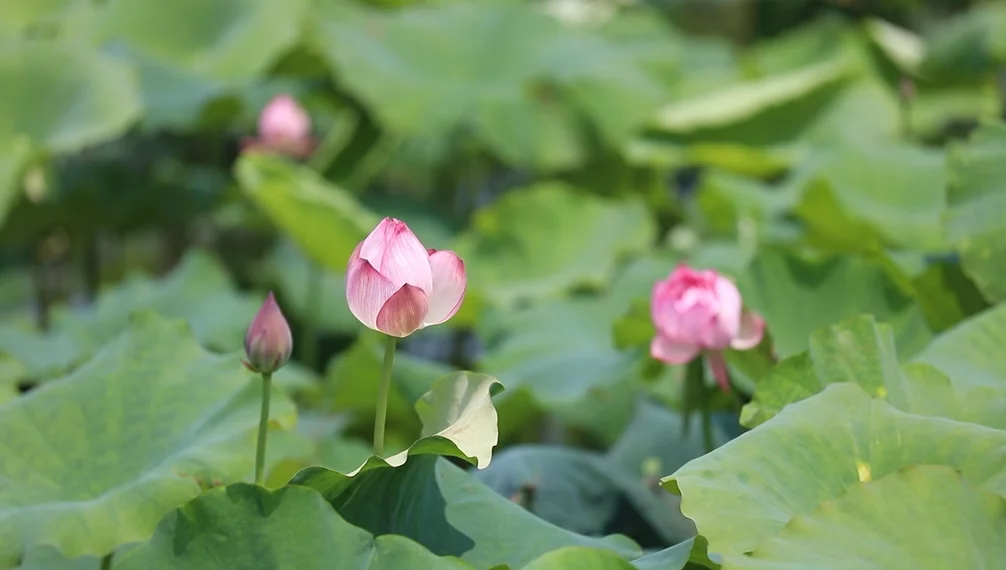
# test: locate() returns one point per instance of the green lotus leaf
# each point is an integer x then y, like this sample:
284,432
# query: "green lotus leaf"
448,511
891,522
798,295
292,528
821,447
89,98
976,199
861,351
124,439
228,40
546,239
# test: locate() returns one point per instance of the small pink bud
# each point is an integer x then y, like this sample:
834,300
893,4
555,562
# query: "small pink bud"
700,311
396,286
283,127
268,342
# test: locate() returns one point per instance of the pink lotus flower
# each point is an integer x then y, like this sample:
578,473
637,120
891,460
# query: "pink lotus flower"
268,342
698,312
283,127
397,286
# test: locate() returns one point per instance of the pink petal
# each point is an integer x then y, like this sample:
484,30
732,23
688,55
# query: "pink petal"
366,291
398,255
672,352
728,315
404,312
449,283
750,333
283,119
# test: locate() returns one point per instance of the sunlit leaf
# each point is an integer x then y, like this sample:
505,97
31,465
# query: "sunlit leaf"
825,447
883,524
860,351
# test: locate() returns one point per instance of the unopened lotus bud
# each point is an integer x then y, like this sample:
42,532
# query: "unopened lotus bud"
268,342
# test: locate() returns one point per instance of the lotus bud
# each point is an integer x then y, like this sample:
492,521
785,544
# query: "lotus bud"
283,127
268,342
396,286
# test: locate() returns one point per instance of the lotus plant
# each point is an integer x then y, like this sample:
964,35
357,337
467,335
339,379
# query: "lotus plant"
284,127
699,313
268,344
395,285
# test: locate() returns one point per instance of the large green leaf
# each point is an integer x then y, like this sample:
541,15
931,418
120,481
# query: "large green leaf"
449,512
122,439
87,98
924,517
861,351
49,558
229,39
325,221
558,350
898,191
743,101
822,447
546,239
977,197
583,492
292,528
198,290
503,70
672,558
580,558
970,352
17,16
798,295
968,46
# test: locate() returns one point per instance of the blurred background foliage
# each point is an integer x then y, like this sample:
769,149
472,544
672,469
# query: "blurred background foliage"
571,151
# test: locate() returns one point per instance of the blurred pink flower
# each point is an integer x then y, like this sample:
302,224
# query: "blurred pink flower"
283,127
268,342
395,285
698,312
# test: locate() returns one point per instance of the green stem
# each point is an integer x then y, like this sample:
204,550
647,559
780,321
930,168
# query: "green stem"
313,304
696,392
263,428
106,561
383,391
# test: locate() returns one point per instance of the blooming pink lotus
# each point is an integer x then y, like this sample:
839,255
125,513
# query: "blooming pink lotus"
283,127
397,286
698,312
268,342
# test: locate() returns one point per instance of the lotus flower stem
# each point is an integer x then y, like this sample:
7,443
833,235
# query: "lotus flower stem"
263,428
383,391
